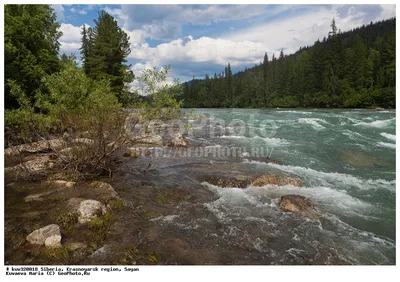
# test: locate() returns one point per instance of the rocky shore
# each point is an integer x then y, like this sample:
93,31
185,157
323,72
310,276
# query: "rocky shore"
52,219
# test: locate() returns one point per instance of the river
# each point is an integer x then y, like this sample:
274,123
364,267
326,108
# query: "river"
345,159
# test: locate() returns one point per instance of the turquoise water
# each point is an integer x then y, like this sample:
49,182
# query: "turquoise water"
346,160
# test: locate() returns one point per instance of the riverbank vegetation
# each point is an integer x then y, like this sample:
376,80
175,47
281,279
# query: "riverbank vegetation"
81,105
354,69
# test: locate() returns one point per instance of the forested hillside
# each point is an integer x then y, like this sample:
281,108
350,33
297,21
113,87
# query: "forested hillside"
350,69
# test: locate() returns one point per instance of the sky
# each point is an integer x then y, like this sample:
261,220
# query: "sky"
196,40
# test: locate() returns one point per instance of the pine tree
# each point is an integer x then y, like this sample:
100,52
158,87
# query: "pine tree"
105,49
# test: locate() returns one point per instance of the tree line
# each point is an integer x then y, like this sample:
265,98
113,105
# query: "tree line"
350,69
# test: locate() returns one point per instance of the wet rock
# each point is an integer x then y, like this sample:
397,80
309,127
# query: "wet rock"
35,147
103,190
241,178
90,209
360,160
49,235
37,165
280,180
149,138
298,205
177,140
270,161
132,154
55,186
228,182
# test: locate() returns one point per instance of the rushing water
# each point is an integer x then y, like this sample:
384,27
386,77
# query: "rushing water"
345,158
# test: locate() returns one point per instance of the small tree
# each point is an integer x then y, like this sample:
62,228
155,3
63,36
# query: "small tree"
163,103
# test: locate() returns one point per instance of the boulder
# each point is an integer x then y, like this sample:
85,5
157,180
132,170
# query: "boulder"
237,182
280,180
53,241
177,140
298,205
103,190
90,209
49,235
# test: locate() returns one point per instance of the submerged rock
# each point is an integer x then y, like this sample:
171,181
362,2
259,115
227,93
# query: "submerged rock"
177,140
49,235
280,180
55,186
90,209
238,182
360,160
298,205
103,190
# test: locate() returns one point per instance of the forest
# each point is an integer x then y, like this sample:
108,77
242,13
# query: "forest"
353,69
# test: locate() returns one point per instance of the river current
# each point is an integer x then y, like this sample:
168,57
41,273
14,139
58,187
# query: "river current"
345,159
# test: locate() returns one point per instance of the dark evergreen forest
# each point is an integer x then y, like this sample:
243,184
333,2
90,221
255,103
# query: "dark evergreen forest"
353,69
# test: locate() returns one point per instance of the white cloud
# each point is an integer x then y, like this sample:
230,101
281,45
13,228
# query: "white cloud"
70,32
205,49
59,9
304,29
165,21
136,36
82,12
72,10
70,41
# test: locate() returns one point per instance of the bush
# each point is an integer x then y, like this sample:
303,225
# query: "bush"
95,111
75,106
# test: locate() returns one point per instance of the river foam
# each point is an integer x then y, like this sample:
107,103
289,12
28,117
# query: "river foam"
377,123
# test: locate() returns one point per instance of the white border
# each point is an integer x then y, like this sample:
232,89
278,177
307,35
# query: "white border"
216,273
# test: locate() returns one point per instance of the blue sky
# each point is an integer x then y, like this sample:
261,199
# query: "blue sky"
200,39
